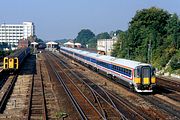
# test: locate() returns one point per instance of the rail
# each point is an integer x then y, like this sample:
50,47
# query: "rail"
84,107
7,93
170,84
108,103
42,101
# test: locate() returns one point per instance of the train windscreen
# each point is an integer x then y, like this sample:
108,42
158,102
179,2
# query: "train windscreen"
146,72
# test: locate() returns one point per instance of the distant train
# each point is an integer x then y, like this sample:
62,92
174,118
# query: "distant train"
13,61
138,76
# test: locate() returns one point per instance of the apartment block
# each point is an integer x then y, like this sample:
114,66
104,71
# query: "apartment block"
12,33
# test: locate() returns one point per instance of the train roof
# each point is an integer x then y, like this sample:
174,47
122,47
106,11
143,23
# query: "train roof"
84,52
17,52
113,60
93,55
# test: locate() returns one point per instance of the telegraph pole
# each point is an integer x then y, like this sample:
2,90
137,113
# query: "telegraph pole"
149,52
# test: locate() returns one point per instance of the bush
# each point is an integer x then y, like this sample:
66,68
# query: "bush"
175,62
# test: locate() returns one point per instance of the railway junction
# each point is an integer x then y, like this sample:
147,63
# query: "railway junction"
52,85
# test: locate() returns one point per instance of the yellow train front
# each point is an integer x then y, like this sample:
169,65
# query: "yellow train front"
12,62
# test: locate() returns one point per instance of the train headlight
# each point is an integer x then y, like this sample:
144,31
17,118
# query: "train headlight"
137,80
153,80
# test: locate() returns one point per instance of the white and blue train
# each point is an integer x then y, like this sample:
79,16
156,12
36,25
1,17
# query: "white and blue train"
138,76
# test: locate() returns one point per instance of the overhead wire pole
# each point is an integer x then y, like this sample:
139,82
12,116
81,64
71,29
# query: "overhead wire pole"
149,51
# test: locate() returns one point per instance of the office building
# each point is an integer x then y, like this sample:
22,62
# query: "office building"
12,33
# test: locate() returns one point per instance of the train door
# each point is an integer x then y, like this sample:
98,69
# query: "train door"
146,74
11,63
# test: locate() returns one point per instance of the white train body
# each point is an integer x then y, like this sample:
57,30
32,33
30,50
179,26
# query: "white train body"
137,75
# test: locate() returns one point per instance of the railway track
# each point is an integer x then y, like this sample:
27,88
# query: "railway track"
107,109
7,92
37,102
165,106
117,103
84,107
169,84
160,104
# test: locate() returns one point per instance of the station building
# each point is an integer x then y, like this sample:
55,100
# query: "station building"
13,33
105,46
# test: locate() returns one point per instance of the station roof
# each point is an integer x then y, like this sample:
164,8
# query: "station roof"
77,44
68,43
51,43
34,43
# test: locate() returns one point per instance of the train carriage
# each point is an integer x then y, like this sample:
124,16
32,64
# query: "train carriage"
137,75
13,61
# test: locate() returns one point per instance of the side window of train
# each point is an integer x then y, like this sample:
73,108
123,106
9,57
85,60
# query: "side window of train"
136,73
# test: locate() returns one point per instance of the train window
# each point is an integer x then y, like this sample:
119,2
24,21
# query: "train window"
114,67
137,73
15,66
126,71
146,71
15,60
121,70
129,73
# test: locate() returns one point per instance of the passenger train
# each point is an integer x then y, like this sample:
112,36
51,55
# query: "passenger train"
138,76
13,61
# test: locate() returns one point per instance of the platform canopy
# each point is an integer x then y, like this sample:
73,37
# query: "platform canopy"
68,43
79,44
34,43
51,43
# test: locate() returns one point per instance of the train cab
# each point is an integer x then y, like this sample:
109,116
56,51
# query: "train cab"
144,78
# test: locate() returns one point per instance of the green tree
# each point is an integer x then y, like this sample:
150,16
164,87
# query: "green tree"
38,40
153,36
103,35
92,43
175,61
84,36
173,31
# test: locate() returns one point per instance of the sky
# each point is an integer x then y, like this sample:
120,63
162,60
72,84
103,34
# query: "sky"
58,19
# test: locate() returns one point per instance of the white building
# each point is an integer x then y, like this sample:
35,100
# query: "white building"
12,33
105,46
